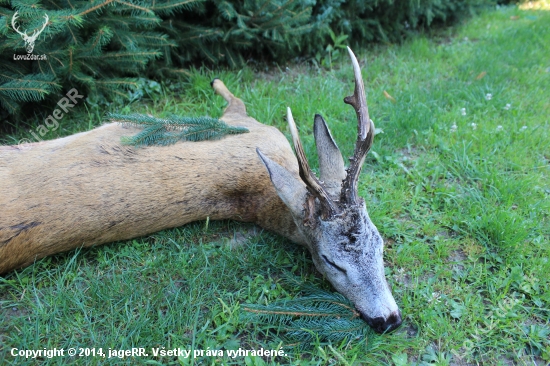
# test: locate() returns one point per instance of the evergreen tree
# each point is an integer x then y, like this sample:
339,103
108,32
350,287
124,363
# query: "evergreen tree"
231,31
96,46
387,20
101,47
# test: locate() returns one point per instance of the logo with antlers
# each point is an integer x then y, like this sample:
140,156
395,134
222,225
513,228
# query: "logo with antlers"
29,40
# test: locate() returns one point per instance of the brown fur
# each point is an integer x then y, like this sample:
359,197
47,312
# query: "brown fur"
88,189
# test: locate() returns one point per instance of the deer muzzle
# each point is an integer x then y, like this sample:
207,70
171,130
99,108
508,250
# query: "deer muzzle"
384,325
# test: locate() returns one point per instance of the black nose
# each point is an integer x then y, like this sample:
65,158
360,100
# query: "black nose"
381,325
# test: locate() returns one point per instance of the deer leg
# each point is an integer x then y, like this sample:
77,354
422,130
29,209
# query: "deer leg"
235,106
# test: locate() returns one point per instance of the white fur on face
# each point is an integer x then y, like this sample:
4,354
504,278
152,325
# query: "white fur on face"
349,252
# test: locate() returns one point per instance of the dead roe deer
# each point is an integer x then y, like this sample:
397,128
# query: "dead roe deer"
88,189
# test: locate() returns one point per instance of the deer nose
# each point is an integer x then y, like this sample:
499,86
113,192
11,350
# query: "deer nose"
384,325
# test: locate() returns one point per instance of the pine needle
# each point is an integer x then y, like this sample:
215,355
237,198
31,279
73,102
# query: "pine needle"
159,131
319,314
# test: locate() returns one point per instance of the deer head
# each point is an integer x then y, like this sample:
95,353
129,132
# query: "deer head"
29,40
345,245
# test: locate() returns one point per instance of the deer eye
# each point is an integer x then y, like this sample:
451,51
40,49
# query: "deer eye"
332,264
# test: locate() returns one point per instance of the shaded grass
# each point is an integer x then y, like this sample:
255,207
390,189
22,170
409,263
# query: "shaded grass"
464,213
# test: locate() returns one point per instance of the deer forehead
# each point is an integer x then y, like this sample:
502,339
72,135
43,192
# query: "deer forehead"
351,232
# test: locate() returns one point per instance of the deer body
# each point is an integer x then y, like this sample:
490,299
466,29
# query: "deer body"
88,189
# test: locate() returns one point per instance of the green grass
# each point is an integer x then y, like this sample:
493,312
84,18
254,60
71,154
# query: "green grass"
464,212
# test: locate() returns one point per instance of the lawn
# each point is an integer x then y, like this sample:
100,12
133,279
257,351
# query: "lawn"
457,183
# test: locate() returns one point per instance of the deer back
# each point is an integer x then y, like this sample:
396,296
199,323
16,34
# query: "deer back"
88,189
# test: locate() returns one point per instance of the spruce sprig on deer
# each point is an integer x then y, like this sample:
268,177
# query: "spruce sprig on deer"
168,131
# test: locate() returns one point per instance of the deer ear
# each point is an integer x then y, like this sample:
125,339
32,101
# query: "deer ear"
331,162
290,189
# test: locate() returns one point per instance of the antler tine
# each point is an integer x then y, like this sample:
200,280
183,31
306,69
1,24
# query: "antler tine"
365,134
44,25
14,17
314,186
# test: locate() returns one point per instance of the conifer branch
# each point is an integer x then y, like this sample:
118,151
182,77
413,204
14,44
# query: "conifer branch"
319,314
159,131
171,6
98,6
136,7
9,104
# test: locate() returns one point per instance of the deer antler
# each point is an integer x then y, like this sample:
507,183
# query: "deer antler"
365,135
14,27
314,186
43,26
